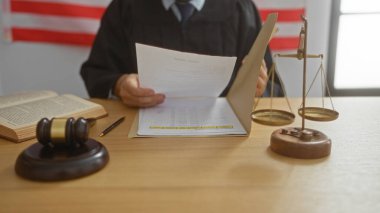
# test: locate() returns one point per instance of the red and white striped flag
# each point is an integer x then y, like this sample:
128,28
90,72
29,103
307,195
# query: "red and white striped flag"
289,21
54,21
77,21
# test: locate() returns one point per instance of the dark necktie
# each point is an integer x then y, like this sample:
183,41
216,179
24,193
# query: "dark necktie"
186,9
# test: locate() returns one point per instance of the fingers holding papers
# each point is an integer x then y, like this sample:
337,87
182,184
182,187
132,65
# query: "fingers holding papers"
129,91
262,80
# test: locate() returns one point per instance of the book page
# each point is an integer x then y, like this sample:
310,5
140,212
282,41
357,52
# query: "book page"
189,116
23,97
181,74
31,112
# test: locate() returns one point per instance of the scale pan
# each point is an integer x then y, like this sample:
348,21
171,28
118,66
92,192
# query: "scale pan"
272,117
319,114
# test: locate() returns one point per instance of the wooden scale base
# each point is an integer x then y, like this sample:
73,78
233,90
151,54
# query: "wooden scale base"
297,143
42,163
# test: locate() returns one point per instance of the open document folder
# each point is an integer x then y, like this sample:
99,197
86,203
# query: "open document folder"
192,84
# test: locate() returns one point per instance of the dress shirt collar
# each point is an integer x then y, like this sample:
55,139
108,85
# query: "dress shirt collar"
198,4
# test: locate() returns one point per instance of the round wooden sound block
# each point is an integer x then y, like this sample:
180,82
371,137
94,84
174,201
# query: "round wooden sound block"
43,163
298,143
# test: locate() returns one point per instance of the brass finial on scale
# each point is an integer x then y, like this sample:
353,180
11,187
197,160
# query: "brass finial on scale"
296,142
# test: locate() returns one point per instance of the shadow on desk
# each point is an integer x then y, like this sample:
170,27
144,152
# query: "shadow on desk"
294,161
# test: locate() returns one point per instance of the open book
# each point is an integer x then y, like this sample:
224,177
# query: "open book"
192,84
20,113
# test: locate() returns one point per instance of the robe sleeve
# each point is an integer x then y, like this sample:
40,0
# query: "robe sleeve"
112,53
277,88
250,24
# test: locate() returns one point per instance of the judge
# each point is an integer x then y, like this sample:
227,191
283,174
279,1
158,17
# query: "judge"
212,27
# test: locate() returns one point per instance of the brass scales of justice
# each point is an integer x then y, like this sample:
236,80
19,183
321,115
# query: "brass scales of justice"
296,142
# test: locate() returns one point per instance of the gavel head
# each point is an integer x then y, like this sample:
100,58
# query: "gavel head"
62,132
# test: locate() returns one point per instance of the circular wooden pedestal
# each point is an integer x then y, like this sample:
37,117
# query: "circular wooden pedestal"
298,143
41,163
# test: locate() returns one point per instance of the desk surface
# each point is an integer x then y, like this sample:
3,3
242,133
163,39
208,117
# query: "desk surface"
234,174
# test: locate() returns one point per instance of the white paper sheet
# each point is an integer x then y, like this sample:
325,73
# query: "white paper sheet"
190,116
181,74
191,84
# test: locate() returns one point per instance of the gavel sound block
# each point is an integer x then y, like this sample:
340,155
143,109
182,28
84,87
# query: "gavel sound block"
63,152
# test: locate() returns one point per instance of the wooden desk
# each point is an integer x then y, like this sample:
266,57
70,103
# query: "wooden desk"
234,174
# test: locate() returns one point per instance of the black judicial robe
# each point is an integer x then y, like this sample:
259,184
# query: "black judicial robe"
222,28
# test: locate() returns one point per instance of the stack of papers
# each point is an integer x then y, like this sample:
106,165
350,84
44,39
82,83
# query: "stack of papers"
192,84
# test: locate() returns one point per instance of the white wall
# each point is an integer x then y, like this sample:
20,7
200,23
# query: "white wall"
38,67
28,66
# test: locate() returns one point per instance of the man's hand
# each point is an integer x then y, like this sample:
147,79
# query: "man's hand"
262,81
128,89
